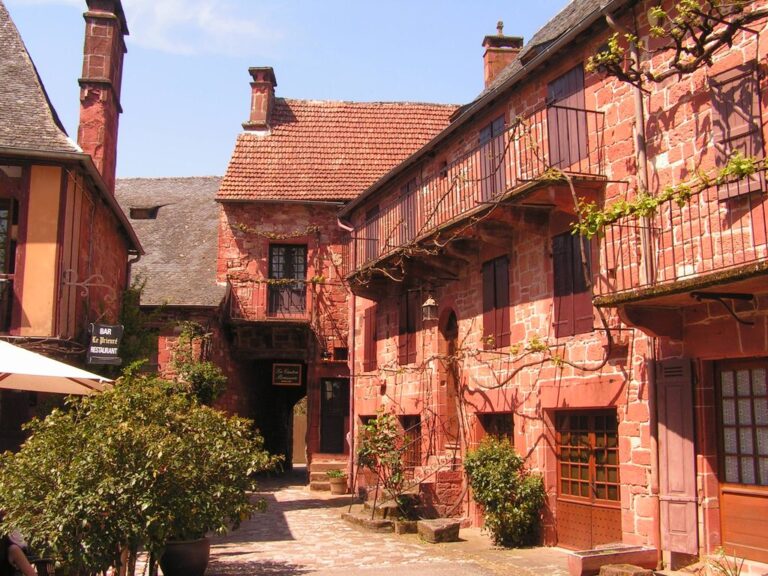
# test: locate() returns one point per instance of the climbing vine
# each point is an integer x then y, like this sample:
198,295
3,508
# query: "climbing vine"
690,33
593,220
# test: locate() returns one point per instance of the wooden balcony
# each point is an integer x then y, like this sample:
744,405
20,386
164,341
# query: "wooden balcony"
536,150
713,241
270,301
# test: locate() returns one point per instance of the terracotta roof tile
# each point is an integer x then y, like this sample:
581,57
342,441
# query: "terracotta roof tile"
328,151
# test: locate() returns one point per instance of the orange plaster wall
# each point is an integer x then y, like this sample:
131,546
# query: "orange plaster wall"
39,288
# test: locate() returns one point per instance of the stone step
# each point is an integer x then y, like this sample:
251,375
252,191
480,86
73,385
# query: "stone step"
320,486
325,465
365,521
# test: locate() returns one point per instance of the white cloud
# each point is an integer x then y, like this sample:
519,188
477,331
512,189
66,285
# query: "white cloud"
193,26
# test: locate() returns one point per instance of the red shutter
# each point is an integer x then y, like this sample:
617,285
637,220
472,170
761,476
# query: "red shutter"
583,313
501,288
402,339
562,272
369,339
677,459
567,124
414,324
736,124
489,312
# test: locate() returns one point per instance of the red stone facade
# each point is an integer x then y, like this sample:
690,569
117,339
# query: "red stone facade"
632,448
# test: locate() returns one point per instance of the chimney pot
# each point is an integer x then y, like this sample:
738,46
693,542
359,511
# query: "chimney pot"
500,52
262,98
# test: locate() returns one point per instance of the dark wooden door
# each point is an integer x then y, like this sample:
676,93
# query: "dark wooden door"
287,262
567,121
743,426
492,160
334,412
589,498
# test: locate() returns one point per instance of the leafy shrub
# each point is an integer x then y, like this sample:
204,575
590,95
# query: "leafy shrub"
336,473
380,449
138,465
511,496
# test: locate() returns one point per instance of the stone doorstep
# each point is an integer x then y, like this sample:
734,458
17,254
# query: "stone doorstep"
624,570
439,530
589,562
364,521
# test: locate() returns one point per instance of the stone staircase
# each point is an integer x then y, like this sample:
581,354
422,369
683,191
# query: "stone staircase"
318,468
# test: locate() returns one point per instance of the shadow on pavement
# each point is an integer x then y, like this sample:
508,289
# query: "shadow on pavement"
271,567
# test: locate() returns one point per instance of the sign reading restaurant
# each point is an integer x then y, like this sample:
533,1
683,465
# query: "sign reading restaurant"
103,344
286,374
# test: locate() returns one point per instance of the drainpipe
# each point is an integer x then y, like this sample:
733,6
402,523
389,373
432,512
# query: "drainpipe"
643,179
353,257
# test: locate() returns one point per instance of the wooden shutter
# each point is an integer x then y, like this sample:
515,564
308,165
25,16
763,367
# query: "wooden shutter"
677,458
736,124
583,313
562,272
410,308
369,339
489,311
402,339
501,289
492,169
567,125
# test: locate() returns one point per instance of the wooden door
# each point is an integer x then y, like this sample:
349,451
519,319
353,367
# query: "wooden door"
492,160
589,496
334,411
677,458
743,431
567,121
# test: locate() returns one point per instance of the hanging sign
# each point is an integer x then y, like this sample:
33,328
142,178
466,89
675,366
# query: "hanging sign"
103,344
286,374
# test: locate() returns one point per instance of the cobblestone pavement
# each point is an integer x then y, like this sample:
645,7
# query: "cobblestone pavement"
302,533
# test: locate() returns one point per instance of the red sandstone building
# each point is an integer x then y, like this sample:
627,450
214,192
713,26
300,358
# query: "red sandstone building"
629,369
281,254
64,242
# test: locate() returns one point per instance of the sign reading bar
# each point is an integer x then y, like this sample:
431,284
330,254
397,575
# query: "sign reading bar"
286,374
103,344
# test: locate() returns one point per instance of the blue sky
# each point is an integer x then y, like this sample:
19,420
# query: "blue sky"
185,86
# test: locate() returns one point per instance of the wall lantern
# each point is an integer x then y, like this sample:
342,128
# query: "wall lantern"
429,309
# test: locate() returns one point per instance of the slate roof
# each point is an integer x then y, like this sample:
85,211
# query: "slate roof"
179,266
27,118
328,151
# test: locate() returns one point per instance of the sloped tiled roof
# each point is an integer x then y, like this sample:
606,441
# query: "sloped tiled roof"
27,118
179,266
328,151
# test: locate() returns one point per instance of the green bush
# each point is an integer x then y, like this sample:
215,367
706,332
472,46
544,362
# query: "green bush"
138,465
511,496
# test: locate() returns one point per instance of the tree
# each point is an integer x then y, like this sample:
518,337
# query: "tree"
135,466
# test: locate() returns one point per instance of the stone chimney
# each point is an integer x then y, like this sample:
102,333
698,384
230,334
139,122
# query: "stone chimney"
262,98
500,51
105,29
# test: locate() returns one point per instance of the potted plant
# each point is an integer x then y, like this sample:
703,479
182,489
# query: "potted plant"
337,480
137,466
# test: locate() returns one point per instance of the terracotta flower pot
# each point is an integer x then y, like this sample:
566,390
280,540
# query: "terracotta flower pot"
185,557
338,485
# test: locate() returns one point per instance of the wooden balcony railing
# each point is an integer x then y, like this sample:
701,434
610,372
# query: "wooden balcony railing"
553,138
264,301
706,235
6,299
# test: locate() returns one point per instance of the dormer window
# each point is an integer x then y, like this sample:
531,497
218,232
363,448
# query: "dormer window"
144,213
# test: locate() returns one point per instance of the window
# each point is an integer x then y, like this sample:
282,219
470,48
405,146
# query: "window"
287,262
744,423
412,440
567,120
8,215
369,339
588,454
498,424
492,166
572,295
409,323
736,124
496,322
